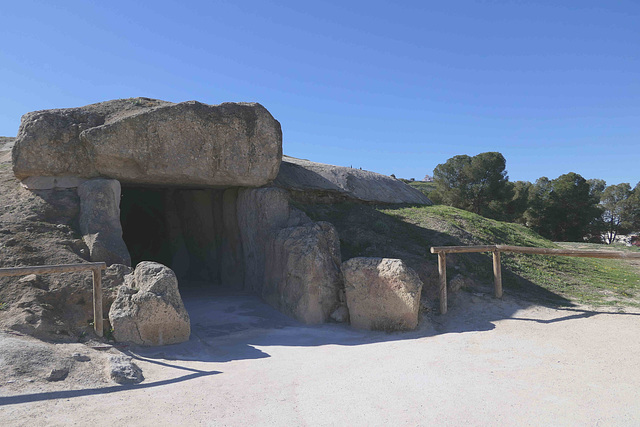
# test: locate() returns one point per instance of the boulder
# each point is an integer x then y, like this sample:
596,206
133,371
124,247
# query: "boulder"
148,309
100,221
123,370
382,294
318,182
148,141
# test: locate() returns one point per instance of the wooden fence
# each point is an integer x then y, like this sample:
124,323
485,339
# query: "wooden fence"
442,252
95,267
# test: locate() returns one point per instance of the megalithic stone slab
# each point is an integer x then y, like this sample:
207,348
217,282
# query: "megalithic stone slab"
147,141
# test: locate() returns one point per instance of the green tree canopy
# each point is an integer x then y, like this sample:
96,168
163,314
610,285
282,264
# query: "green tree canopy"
563,208
617,215
478,184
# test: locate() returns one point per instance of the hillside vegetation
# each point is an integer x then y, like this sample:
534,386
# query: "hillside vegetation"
424,186
409,232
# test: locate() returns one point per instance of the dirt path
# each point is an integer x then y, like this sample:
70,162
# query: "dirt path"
487,362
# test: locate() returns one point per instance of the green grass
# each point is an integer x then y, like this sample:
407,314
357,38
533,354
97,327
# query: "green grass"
408,233
582,280
480,230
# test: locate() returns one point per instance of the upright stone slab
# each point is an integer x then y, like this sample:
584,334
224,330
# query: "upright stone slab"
100,221
148,141
292,262
303,276
232,256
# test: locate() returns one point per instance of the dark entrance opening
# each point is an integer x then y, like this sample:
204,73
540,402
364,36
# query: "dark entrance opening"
183,229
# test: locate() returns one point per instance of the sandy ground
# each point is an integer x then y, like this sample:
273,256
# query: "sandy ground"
487,362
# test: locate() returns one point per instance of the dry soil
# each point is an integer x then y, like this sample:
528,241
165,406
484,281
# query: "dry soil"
487,362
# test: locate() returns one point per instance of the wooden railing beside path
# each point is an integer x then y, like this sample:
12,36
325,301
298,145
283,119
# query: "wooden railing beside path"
442,252
95,267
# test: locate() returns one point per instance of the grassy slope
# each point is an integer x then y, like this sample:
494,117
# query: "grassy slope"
408,232
424,186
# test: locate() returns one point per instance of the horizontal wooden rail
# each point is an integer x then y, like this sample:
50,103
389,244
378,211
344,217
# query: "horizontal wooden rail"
570,252
462,249
95,267
442,252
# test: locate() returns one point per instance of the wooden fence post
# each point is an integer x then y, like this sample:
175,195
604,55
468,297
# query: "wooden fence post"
442,270
497,274
97,301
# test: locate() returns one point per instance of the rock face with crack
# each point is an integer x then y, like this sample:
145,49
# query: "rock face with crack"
148,309
382,294
149,141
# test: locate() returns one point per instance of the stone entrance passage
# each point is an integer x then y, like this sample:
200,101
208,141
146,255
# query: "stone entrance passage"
190,186
185,229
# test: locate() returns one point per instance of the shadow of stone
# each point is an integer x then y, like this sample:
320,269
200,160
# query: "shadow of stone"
68,394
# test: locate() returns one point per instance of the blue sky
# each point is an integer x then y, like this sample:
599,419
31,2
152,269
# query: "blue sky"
393,87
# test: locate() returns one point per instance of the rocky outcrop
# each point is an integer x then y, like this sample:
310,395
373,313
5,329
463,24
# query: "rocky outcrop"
382,294
149,141
148,309
100,221
317,182
292,262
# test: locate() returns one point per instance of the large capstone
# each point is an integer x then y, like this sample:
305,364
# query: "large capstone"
148,141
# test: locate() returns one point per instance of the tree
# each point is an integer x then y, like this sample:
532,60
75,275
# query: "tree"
617,214
633,205
519,203
596,187
562,209
478,184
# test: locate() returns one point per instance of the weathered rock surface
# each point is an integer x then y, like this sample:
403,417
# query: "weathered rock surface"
317,181
382,294
57,374
123,370
303,272
100,221
51,182
148,309
149,141
292,262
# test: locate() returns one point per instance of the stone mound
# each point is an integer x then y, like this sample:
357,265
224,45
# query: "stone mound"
318,181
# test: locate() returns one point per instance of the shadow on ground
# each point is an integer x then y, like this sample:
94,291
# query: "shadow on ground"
226,327
68,394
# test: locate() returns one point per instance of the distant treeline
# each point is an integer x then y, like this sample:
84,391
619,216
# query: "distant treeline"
568,208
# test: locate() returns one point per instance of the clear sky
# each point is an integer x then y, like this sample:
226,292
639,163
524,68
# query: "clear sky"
393,87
